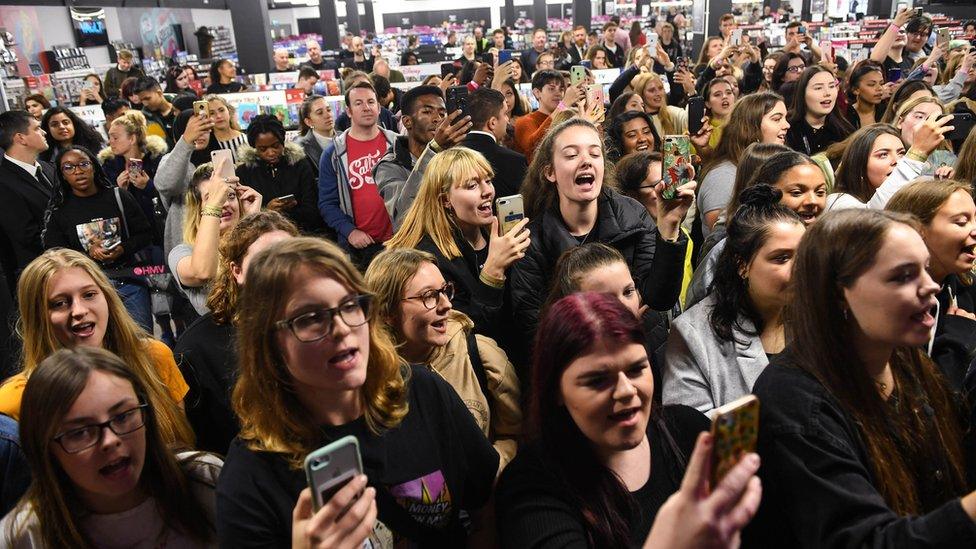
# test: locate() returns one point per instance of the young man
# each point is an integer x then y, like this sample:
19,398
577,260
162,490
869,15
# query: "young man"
615,52
539,45
549,88
388,96
160,113
498,39
622,35
117,74
386,118
727,24
423,110
348,198
918,29
315,59
26,186
307,78
281,61
489,118
796,40
112,108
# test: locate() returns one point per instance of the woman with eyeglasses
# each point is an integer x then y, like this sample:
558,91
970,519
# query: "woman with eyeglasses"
311,351
104,474
413,301
91,216
65,129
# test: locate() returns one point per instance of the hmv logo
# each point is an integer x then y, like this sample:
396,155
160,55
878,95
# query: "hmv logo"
149,270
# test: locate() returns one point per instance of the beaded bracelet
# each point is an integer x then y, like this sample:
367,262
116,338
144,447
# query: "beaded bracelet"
497,283
212,211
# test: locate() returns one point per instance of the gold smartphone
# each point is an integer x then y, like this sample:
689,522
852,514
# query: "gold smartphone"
735,429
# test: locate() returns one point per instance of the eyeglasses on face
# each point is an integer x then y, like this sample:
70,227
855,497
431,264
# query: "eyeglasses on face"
795,68
318,323
432,296
76,440
68,167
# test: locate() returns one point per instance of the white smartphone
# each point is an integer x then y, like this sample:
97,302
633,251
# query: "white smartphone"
228,170
510,210
329,468
736,37
652,44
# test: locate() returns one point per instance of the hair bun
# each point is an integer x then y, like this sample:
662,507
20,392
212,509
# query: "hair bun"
760,196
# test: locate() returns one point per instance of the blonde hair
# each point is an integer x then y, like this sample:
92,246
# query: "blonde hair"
225,291
134,123
907,107
272,418
193,202
234,125
427,215
122,335
387,277
640,83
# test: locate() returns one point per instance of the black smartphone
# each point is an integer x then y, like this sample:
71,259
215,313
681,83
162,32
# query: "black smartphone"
489,58
457,99
962,123
894,74
696,111
447,68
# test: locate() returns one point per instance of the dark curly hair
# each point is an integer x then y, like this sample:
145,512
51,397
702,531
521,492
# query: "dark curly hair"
615,133
85,135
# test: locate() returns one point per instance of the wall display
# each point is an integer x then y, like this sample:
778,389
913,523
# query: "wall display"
155,28
89,27
22,22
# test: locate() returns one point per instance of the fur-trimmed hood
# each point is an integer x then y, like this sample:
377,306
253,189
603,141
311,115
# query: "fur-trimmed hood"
294,153
156,147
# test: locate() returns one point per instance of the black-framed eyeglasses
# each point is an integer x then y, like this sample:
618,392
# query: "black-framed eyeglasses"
68,167
431,296
79,439
796,68
317,324
650,185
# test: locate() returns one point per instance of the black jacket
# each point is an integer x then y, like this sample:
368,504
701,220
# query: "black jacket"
293,175
954,347
509,166
622,223
818,485
24,203
577,54
802,137
113,165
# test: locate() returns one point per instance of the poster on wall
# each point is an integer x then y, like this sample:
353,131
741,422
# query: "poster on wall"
21,21
154,28
89,27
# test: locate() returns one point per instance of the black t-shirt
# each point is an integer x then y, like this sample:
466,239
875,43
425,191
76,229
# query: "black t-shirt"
481,257
231,87
426,470
533,509
905,65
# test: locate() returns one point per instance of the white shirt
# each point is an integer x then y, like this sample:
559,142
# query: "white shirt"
29,168
322,140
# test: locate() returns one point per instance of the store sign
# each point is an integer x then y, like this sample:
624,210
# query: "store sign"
282,78
91,114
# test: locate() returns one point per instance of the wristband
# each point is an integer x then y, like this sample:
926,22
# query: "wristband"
434,146
917,156
488,280
212,211
895,26
561,106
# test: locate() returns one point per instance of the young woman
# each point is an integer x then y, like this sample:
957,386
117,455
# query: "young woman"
207,352
65,301
718,348
317,128
719,101
787,70
856,422
178,81
64,129
597,56
815,118
407,288
125,92
519,74
759,117
226,130
630,132
948,217
310,350
865,94
569,205
451,218
278,170
104,473
586,476
127,140
668,120
89,215
713,46
36,104
91,92
223,78
214,205
875,164
626,102
965,168
909,117
905,92
768,66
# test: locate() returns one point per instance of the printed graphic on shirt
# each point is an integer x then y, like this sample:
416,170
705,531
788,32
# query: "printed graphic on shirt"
99,232
427,499
361,169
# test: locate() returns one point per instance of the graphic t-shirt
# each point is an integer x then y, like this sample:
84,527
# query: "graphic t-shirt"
369,210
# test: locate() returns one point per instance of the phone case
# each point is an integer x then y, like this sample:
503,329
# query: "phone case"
696,111
200,107
676,165
577,74
133,166
735,428
457,99
228,170
510,211
329,468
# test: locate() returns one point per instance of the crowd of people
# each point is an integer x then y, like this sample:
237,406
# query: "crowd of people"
194,307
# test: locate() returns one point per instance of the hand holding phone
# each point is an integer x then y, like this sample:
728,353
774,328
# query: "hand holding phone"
676,166
735,427
227,171
200,107
329,468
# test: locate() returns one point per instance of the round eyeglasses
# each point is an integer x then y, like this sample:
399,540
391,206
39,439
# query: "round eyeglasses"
432,296
318,323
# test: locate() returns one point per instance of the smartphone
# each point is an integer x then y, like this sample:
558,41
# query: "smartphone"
286,197
329,468
735,427
696,111
489,58
134,167
676,167
802,30
827,49
200,107
88,85
457,99
448,68
652,45
597,95
736,38
510,210
918,12
945,36
228,170
894,74
962,124
683,63
577,74
504,56
586,64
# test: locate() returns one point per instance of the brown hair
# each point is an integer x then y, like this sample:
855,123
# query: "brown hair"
225,291
743,128
852,173
832,255
966,161
272,418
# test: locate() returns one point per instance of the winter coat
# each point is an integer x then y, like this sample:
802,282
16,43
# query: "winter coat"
392,171
293,175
